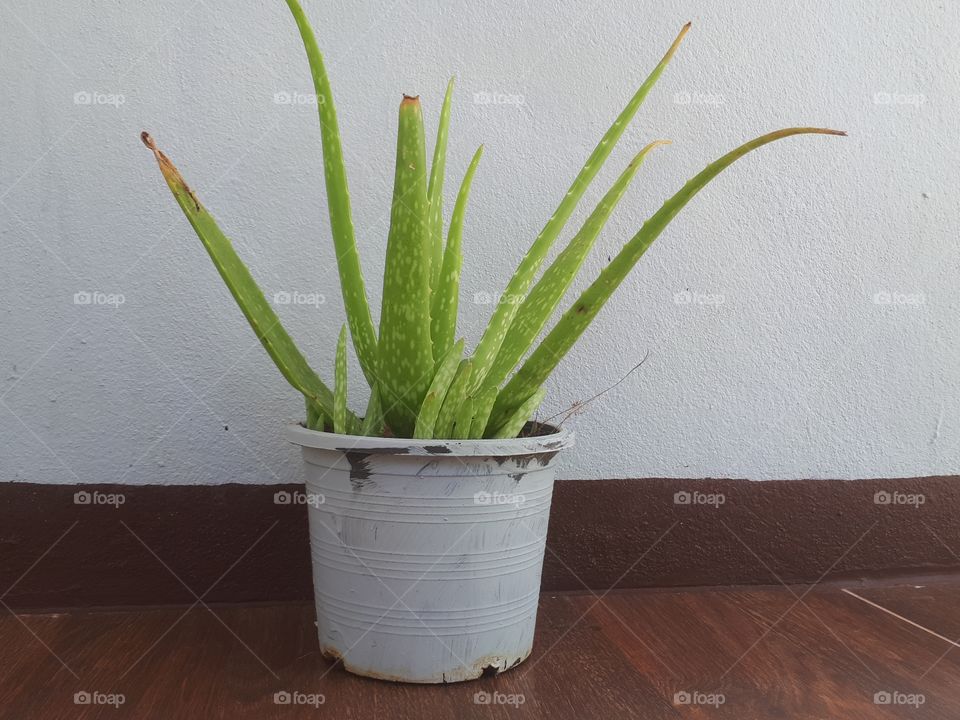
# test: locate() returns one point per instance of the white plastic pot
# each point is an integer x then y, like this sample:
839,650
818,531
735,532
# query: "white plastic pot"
427,554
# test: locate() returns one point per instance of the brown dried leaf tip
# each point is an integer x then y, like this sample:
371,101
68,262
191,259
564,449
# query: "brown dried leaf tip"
169,170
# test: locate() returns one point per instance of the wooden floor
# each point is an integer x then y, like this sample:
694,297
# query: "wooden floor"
844,653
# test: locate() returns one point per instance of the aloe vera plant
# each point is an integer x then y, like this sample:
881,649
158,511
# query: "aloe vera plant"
422,382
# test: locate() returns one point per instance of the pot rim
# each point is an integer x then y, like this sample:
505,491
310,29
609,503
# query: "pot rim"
297,434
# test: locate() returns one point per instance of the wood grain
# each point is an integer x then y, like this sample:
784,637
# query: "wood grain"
626,654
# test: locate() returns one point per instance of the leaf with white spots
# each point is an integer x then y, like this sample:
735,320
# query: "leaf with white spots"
264,321
446,297
537,368
338,201
505,311
406,353
543,299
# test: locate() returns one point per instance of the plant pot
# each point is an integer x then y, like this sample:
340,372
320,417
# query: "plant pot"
427,554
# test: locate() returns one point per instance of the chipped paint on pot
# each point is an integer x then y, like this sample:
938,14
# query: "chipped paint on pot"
427,554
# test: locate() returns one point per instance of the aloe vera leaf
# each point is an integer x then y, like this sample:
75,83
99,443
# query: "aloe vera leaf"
514,422
574,321
456,396
316,418
406,354
446,371
435,188
506,309
248,295
338,201
340,385
447,295
482,407
372,425
464,420
542,300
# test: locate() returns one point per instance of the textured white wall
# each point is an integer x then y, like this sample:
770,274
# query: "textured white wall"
786,366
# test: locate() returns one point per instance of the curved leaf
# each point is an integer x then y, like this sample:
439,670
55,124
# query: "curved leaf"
446,371
446,298
505,311
338,200
543,299
264,321
435,188
568,329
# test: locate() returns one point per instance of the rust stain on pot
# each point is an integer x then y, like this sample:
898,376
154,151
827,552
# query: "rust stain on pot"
523,461
359,469
493,665
377,451
331,654
486,667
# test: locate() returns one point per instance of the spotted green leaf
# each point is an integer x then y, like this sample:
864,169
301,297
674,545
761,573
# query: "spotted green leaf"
535,370
248,295
446,298
338,201
456,395
372,424
482,407
406,354
340,385
437,393
546,294
513,423
463,421
435,188
505,310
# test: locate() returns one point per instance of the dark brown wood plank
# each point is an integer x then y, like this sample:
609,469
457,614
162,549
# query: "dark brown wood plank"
598,530
625,656
823,659
196,667
869,652
934,606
